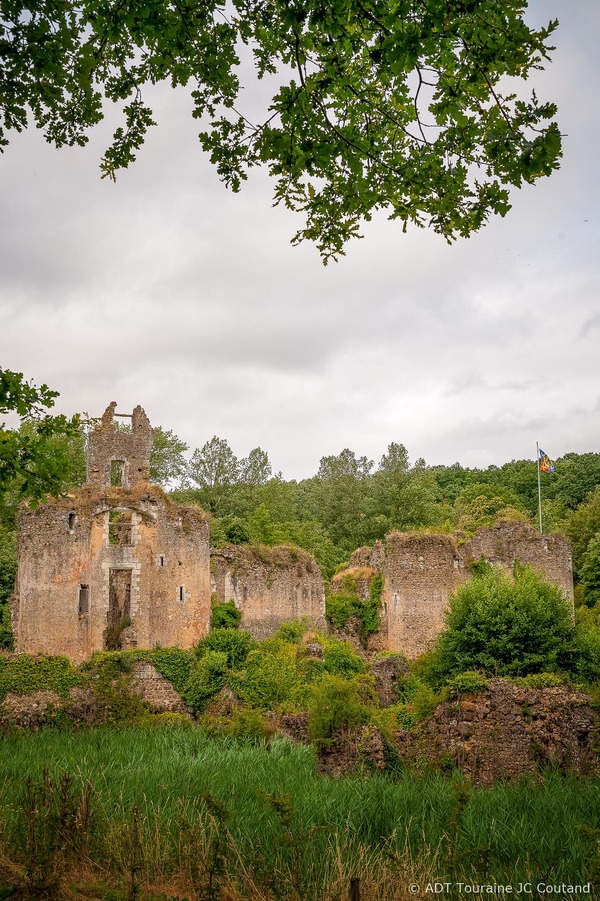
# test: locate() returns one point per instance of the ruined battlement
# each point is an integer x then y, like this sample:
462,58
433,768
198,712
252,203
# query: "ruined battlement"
119,457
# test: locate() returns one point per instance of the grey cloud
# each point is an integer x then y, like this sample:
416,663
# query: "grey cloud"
167,290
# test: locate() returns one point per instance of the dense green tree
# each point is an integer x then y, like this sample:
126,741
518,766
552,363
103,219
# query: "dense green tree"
575,478
582,525
505,626
168,466
590,571
34,459
8,572
399,496
400,106
255,469
214,468
340,489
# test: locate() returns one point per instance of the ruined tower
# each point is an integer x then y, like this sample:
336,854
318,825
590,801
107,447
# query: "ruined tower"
115,564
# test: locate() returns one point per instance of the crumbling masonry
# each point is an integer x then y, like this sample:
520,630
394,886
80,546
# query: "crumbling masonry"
421,572
269,585
115,564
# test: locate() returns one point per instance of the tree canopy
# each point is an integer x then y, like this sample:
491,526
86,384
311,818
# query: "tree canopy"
410,106
34,460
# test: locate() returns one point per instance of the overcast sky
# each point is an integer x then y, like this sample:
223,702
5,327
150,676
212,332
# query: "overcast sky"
168,291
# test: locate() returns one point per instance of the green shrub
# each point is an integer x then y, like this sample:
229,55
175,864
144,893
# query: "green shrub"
207,678
23,674
541,680
418,697
335,703
225,616
340,659
469,682
505,626
244,723
272,675
292,631
6,635
341,606
233,642
585,663
174,664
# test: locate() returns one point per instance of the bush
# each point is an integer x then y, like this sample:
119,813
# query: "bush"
541,680
225,616
418,697
23,674
207,678
292,631
272,675
469,682
6,635
234,643
505,626
245,723
341,606
340,659
174,664
585,664
335,703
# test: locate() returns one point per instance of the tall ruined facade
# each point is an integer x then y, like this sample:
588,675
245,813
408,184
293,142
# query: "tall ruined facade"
116,563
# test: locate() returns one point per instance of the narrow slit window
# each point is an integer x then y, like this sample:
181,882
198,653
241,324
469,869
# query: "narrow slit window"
117,471
181,594
84,600
161,561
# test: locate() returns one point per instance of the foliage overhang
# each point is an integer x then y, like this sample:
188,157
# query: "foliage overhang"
401,105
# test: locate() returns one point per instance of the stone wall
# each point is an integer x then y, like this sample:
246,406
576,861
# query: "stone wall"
507,732
108,444
269,585
66,548
508,542
111,566
422,571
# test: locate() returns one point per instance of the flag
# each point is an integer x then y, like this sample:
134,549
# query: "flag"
546,464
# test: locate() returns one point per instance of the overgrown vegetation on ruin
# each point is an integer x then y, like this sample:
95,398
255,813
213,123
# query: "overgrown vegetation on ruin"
168,812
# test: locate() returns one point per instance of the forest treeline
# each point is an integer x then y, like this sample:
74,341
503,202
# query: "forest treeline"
351,500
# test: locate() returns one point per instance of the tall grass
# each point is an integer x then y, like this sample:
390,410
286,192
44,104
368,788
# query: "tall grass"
213,818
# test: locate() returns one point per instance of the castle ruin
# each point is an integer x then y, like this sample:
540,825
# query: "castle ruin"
421,571
116,563
269,585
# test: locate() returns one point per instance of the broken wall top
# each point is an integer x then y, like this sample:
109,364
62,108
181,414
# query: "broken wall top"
117,457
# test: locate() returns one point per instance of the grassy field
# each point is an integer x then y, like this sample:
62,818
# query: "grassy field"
170,813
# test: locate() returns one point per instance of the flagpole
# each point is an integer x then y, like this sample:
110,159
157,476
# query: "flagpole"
537,454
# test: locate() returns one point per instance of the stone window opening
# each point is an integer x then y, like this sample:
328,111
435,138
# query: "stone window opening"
72,521
117,473
244,593
181,594
161,561
84,600
120,528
